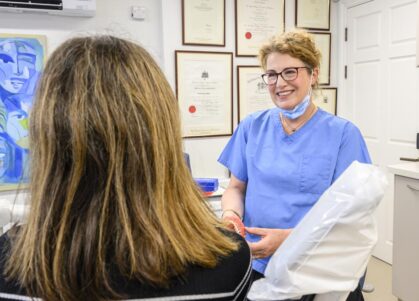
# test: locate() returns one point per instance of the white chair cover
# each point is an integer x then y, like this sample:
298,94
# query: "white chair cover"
328,252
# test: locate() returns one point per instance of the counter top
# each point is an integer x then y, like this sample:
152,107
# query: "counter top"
407,169
217,193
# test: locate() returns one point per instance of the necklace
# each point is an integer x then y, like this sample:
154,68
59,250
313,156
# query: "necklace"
290,129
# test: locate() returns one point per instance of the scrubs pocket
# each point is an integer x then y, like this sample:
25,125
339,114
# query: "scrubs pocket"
315,174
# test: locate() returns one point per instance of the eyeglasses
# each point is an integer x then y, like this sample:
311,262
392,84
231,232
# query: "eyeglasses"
287,74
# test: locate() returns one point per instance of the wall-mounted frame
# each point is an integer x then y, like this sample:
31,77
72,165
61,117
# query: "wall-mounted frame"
204,86
256,22
203,22
252,93
25,53
323,43
312,14
326,99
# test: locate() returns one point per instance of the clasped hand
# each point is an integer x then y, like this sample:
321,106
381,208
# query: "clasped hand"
270,240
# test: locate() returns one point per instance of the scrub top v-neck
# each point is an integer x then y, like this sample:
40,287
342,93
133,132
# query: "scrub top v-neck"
286,174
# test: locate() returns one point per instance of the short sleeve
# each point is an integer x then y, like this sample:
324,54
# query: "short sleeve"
352,148
234,154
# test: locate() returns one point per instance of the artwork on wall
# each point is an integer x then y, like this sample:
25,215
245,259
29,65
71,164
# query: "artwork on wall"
252,93
312,14
326,99
21,61
203,22
204,88
323,43
256,22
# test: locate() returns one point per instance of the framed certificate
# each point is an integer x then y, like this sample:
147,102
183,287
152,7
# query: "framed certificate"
326,99
252,93
323,43
256,22
204,85
203,22
312,14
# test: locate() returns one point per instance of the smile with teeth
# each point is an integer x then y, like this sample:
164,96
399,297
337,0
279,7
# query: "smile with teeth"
284,93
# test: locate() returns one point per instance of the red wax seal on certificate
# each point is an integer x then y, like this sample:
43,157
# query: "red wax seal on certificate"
248,35
192,109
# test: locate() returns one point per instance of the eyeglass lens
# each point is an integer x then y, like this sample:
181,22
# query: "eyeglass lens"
287,74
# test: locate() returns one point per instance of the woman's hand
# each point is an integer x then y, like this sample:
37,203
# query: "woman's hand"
234,223
271,239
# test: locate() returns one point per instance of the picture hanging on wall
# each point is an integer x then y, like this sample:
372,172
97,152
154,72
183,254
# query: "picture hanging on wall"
21,61
256,22
323,43
252,93
326,99
312,14
203,22
204,85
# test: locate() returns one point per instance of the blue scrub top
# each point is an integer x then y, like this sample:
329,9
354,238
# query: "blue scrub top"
286,174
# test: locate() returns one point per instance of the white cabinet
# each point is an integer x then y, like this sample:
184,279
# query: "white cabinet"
215,203
406,232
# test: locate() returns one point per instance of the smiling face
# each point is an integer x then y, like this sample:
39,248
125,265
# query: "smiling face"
16,61
287,94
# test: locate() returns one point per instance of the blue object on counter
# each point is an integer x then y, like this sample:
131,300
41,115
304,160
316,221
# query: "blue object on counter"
207,184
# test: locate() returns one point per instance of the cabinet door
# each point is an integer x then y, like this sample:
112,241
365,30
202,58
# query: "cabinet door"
406,239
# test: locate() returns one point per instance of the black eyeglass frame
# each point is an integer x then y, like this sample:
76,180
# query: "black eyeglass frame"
280,74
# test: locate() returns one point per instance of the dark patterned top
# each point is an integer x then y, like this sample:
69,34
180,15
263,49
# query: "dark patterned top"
229,280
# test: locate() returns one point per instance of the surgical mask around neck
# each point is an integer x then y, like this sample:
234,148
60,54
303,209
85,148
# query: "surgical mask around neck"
300,108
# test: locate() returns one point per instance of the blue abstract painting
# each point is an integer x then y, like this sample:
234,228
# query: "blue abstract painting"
21,61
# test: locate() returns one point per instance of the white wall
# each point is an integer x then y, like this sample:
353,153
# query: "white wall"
205,151
111,17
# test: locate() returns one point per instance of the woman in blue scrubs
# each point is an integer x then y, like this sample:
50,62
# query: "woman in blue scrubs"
283,159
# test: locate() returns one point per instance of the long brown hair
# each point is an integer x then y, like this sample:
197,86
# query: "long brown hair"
109,185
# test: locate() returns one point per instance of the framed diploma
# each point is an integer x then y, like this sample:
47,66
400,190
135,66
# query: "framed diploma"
312,14
203,22
204,86
326,99
252,93
256,22
323,43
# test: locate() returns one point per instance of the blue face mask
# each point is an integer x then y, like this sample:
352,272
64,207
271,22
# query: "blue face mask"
300,108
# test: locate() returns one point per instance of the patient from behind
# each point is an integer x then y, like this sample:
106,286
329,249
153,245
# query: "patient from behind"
115,213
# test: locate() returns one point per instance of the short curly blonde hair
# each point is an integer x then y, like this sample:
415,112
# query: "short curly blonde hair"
297,43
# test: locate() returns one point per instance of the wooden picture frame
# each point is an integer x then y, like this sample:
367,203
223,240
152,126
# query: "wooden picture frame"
326,98
204,89
256,23
324,44
203,22
252,93
312,14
